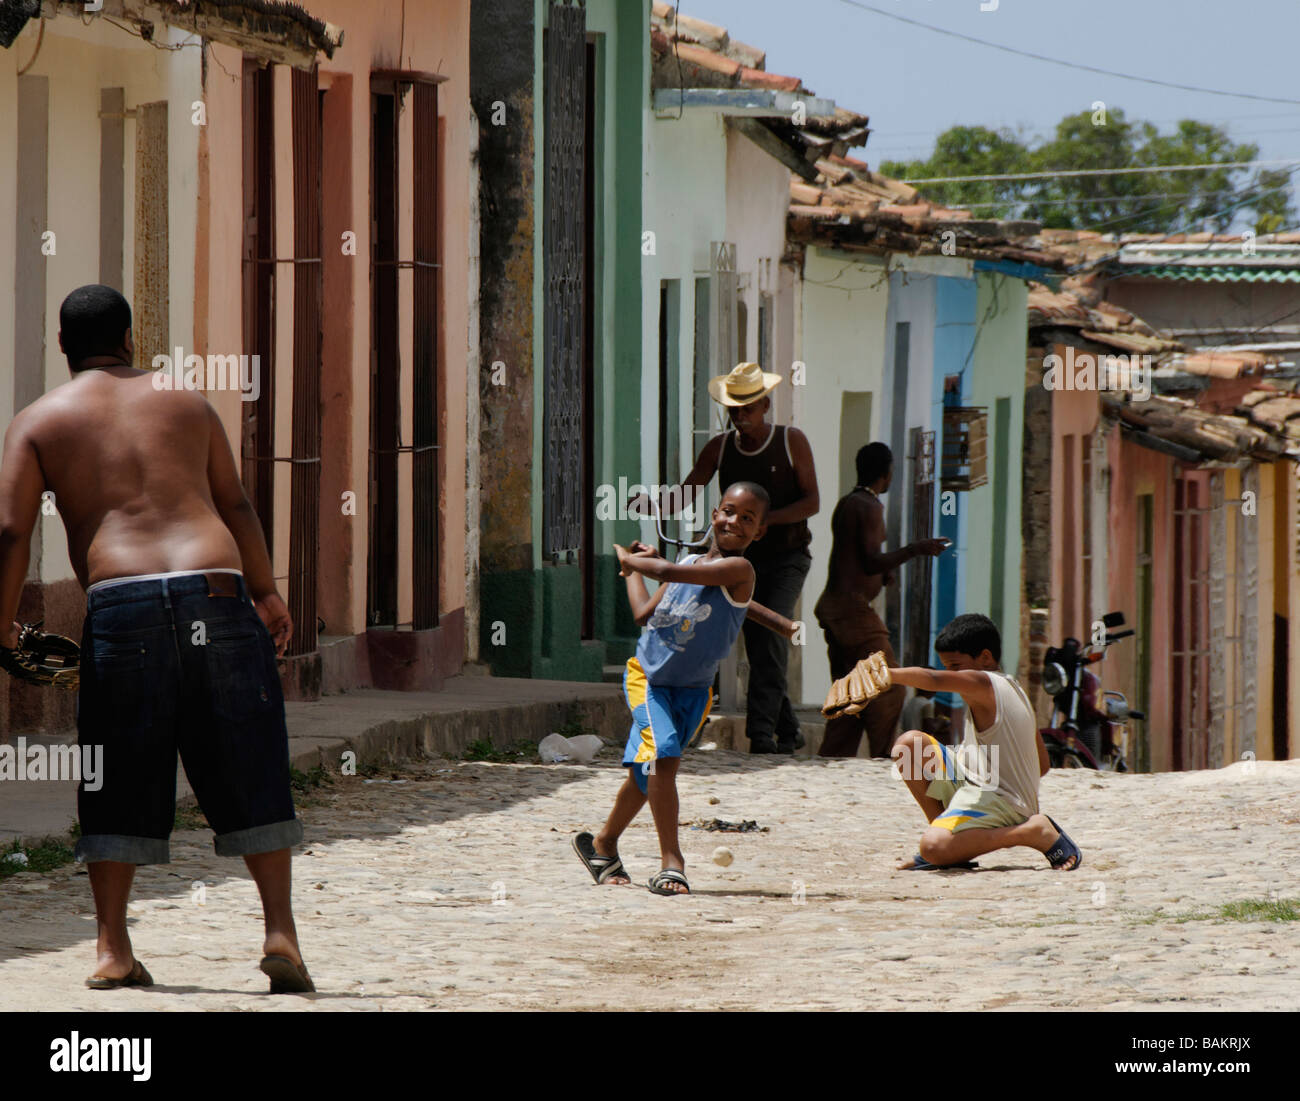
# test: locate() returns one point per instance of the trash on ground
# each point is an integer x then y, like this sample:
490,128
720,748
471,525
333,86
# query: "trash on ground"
747,826
556,748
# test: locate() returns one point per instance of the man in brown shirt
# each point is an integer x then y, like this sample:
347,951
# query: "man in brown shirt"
857,572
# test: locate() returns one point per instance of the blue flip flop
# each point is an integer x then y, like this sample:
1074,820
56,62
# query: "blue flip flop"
921,865
1063,849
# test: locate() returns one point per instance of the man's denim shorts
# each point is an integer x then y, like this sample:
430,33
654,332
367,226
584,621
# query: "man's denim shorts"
181,662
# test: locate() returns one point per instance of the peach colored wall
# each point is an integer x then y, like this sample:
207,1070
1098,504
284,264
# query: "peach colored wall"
218,272
1268,504
1074,413
378,34
1136,470
1288,579
343,279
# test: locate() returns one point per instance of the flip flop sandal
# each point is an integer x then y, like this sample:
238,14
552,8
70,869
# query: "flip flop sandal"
602,868
1063,849
921,865
669,875
137,976
286,976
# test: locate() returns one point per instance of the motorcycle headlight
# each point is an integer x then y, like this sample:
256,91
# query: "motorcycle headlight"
1053,679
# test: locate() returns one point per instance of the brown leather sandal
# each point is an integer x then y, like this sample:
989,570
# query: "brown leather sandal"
137,976
286,976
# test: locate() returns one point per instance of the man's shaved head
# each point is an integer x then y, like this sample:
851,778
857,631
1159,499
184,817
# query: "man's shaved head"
93,321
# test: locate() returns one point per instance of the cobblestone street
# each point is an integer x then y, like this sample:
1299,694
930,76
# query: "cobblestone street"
451,885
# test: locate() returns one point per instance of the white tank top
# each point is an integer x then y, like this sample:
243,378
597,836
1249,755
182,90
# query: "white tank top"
1004,757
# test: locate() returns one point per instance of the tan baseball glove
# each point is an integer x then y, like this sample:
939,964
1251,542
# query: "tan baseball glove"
865,681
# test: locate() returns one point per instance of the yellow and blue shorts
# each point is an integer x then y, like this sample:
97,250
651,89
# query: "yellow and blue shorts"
966,805
665,720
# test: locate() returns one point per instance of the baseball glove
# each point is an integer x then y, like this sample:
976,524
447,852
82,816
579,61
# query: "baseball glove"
42,657
865,681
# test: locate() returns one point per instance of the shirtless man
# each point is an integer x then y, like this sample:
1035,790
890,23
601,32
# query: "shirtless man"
177,649
858,570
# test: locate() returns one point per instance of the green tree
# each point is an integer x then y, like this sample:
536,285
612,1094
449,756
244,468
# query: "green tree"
971,151
1159,202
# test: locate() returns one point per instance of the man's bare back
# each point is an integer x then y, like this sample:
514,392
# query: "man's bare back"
144,480
129,466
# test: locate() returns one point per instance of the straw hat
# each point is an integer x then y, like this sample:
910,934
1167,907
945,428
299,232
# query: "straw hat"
745,384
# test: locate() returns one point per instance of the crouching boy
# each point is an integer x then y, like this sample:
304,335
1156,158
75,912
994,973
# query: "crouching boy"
982,795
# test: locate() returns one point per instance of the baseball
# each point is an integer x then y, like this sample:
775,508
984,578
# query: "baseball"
722,856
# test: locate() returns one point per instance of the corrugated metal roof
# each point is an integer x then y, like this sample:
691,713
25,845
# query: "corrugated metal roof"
1213,274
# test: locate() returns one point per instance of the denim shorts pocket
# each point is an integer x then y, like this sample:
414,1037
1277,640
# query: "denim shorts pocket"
243,680
119,682
115,657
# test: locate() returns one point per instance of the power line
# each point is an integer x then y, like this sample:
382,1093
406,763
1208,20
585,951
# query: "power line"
1100,171
1058,61
1246,200
878,134
924,152
1105,199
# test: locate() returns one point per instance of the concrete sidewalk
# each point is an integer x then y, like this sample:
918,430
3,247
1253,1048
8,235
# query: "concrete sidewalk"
377,726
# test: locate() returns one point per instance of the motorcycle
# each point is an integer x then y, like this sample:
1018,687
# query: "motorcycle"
1088,724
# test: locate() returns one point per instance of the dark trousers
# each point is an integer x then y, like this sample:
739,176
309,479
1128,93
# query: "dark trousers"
777,584
848,641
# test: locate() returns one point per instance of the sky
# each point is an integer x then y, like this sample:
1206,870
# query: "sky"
915,83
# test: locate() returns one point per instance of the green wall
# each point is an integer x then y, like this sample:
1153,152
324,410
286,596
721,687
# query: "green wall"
998,371
541,607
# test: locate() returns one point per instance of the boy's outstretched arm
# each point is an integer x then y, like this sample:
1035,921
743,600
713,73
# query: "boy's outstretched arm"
773,621
733,573
972,685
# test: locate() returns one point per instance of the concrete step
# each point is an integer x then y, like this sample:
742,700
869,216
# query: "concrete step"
380,728
727,731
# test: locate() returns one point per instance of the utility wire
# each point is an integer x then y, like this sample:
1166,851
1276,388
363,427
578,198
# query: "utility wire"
1101,172
1058,61
1248,199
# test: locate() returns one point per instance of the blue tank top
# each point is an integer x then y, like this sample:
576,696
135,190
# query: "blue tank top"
692,629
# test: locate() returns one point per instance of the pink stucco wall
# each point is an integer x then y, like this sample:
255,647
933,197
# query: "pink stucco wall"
378,34
1136,470
1074,415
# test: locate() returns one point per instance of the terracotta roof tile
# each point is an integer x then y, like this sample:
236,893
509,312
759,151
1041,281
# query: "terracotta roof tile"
1216,436
1219,365
708,59
801,192
1278,411
760,79
706,34
749,56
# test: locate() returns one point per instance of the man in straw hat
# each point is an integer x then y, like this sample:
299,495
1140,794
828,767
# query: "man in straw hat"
778,458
